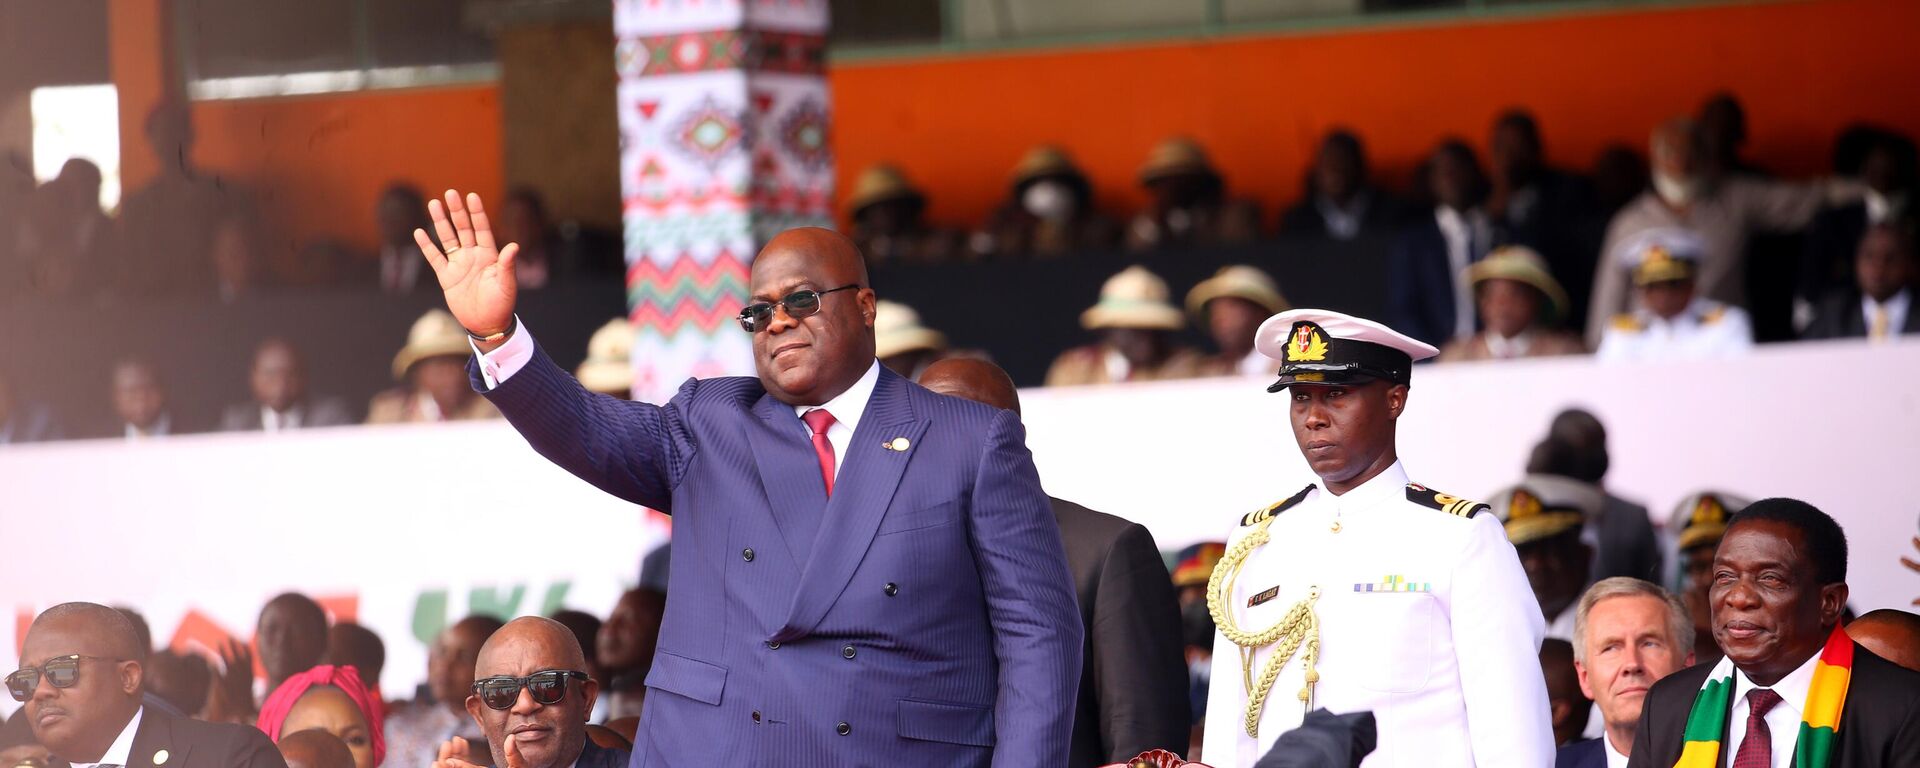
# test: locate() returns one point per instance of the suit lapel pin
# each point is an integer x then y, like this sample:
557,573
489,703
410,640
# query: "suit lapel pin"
160,757
898,444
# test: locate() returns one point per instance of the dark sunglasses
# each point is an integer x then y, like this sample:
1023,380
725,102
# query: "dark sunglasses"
798,304
61,672
546,686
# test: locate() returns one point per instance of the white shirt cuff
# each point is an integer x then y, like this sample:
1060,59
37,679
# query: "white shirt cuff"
506,359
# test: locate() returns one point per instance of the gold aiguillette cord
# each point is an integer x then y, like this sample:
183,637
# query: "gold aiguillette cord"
1298,627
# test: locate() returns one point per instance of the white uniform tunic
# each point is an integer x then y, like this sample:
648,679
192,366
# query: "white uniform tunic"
1425,619
1708,330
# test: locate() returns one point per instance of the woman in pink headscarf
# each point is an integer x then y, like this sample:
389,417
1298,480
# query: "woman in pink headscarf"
332,699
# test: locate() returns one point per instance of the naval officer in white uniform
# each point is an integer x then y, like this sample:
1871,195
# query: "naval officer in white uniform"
1368,592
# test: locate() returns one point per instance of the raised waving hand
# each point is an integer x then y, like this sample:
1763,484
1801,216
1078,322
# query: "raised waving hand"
476,277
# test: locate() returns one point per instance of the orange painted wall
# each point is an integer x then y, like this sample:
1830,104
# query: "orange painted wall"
1803,69
140,54
318,163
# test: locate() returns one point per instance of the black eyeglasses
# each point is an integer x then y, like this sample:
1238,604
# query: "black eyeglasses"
798,304
547,686
61,672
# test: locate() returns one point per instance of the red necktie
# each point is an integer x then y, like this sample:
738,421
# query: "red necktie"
819,420
1756,748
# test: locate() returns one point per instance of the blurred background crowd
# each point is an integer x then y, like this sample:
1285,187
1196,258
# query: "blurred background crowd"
1699,254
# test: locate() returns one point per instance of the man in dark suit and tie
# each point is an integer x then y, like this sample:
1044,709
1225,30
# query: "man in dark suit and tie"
1428,294
278,380
1133,683
81,677
1880,307
1793,689
864,572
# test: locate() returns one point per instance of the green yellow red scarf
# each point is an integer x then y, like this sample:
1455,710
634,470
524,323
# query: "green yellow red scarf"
1820,715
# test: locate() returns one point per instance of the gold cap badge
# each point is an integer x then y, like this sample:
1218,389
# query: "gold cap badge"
1307,346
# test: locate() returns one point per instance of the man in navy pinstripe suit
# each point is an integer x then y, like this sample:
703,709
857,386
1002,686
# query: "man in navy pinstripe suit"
865,573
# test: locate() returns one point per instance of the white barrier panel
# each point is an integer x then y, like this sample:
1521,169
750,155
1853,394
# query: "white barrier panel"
407,528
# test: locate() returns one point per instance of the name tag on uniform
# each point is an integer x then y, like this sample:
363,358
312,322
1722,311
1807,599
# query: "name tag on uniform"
1271,593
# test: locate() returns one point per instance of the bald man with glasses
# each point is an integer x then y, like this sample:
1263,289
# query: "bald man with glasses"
81,678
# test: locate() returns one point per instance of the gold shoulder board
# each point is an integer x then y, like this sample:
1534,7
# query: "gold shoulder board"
1252,518
1627,323
1452,505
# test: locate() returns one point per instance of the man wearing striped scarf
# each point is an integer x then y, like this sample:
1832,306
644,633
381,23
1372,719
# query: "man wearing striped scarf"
1794,689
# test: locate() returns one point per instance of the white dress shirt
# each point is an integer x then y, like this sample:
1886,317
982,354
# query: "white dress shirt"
399,268
1896,308
508,358
1467,235
1783,721
122,748
1343,223
276,421
1507,348
1615,758
161,427
1561,626
846,407
1116,364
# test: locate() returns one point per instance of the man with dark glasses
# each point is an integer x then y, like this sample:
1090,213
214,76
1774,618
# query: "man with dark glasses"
531,698
81,679
864,572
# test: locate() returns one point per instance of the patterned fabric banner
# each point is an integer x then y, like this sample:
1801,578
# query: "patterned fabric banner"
724,143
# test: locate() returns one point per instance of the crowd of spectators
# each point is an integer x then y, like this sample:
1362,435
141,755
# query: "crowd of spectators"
193,235
1699,255
1625,606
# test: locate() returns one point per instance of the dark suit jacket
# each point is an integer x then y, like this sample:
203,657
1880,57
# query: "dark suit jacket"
1384,215
322,412
928,620
596,756
1627,544
197,744
1133,682
29,423
1582,754
1839,317
1879,723
1556,216
1420,282
1826,261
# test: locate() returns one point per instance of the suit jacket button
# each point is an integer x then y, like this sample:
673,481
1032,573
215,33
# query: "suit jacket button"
756,715
747,554
847,652
892,589
772,646
843,729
